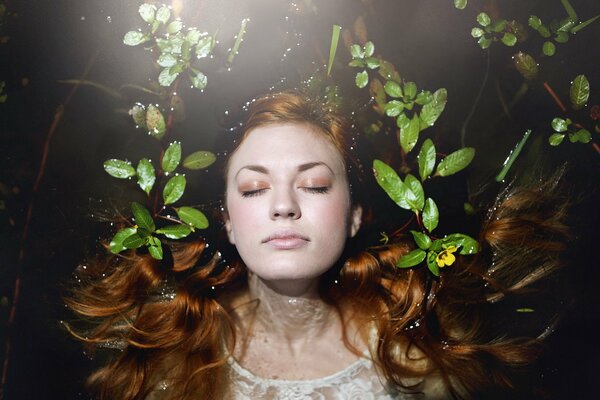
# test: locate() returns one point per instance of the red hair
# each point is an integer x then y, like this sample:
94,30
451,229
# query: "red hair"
185,341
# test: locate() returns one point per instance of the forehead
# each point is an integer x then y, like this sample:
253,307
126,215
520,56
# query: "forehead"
286,145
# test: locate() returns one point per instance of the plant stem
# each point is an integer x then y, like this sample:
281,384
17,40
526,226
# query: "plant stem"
21,257
555,97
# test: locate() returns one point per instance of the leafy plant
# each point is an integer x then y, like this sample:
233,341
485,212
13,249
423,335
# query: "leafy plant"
413,111
409,195
144,232
558,31
579,95
178,49
488,31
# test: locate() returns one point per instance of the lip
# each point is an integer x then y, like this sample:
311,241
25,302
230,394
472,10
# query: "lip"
286,240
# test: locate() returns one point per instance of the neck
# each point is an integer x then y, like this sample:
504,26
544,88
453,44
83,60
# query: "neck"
292,312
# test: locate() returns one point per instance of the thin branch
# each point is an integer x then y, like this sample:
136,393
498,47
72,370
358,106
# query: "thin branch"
42,169
555,97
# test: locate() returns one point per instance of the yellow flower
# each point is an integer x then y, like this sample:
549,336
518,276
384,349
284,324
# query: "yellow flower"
445,257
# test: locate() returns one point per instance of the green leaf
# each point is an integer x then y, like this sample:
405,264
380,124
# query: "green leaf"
167,60
483,19
166,77
498,26
192,217
192,36
432,264
335,37
372,62
357,63
561,37
175,231
163,14
393,89
484,42
417,189
431,215
199,80
155,122
171,158
421,239
410,90
580,91
393,108
467,244
411,259
544,31
582,25
146,175
460,4
549,49
569,9
133,242
525,310
556,138
362,78
509,39
199,160
391,183
205,46
134,38
119,168
156,251
116,244
426,159
455,162
477,32
138,114
513,156
175,26
142,217
583,136
535,22
559,125
174,189
147,12
432,110
526,65
424,97
469,209
369,49
357,51
409,134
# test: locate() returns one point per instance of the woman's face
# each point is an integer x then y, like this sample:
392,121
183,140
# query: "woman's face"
288,203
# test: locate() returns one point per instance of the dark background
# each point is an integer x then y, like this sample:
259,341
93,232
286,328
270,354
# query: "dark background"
430,43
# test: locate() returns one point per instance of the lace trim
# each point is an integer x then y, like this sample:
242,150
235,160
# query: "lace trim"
324,381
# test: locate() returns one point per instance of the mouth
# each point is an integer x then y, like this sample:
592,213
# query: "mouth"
286,240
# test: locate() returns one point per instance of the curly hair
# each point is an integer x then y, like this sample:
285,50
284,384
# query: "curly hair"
423,326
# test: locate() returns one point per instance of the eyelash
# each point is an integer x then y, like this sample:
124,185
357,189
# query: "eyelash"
316,190
319,190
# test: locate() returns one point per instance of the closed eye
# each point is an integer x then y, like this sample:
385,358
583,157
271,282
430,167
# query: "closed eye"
252,193
318,189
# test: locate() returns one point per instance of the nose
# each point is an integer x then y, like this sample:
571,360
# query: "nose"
285,205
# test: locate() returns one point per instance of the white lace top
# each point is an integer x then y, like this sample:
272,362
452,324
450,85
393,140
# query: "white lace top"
358,381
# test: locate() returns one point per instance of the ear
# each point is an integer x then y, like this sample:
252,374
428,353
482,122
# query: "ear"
355,220
228,228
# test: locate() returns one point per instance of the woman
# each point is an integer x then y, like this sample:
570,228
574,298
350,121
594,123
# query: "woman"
299,312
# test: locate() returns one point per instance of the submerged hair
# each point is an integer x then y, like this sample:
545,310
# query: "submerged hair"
177,343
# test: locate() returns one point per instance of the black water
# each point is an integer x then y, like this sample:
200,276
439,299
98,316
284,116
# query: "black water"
430,43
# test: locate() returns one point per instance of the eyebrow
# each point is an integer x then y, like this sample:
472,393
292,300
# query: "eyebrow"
301,168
